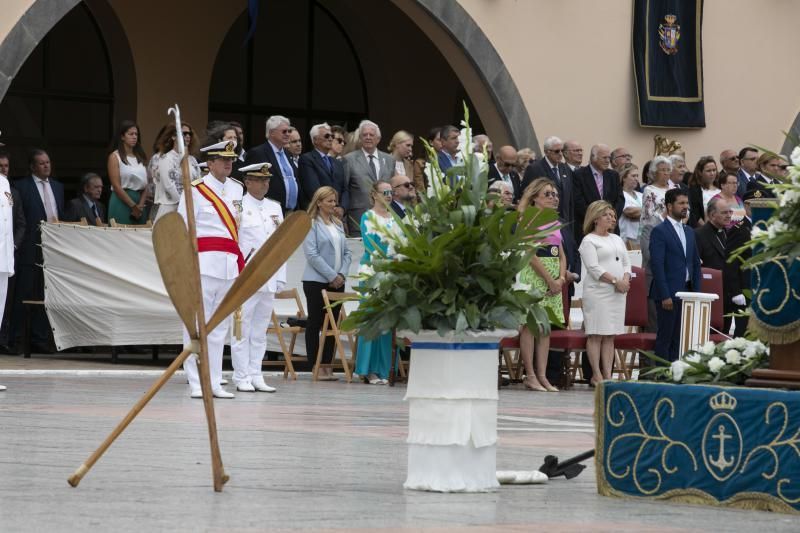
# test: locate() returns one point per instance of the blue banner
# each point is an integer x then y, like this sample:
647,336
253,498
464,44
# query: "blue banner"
699,444
668,62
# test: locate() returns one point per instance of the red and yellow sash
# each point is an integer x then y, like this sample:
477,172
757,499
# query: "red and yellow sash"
221,208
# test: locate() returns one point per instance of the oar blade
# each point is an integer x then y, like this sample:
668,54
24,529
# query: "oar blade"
175,256
263,265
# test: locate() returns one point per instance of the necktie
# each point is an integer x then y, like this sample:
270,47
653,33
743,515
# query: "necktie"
328,163
598,180
373,168
288,179
95,211
47,196
557,177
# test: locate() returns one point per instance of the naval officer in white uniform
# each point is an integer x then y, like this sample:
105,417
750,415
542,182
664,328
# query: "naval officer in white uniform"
260,219
6,243
217,208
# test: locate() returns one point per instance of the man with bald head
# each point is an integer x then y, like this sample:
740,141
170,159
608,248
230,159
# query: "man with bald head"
503,170
552,167
596,181
573,154
620,157
729,160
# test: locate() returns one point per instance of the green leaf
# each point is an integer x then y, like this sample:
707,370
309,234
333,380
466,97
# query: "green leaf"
486,285
413,318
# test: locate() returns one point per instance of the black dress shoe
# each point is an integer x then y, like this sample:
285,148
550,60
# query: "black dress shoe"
9,350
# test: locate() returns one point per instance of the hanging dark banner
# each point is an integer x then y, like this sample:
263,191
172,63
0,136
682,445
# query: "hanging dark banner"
668,62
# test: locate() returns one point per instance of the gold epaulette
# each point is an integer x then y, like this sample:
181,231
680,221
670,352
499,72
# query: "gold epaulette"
197,182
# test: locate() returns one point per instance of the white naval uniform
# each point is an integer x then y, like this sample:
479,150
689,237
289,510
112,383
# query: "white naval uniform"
218,270
6,240
260,219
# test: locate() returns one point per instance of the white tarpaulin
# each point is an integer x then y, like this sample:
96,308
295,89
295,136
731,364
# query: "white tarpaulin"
103,287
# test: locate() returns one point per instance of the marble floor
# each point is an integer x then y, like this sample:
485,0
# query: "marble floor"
313,456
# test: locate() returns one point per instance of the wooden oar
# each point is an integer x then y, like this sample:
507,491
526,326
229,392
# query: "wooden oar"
173,250
269,258
260,268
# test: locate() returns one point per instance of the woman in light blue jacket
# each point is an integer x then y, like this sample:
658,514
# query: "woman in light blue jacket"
327,265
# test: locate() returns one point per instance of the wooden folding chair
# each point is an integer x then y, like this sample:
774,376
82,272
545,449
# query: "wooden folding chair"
332,328
114,224
282,331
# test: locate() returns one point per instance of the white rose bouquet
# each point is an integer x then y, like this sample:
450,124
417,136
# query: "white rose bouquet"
729,362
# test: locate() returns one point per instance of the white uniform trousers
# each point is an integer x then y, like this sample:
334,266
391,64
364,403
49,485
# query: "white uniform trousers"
214,290
247,354
3,292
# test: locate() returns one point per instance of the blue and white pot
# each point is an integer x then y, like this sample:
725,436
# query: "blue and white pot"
452,422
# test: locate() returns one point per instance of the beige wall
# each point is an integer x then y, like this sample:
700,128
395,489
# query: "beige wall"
578,84
574,83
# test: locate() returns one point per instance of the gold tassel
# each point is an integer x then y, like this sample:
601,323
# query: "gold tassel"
237,323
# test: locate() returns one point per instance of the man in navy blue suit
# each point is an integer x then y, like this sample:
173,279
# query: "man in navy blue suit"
42,200
676,268
319,169
448,156
283,186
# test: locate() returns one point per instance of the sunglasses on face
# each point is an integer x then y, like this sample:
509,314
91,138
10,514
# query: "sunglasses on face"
551,194
387,192
187,133
328,136
339,140
408,185
556,151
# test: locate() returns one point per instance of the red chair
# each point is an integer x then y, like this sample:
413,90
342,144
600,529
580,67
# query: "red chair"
635,317
712,284
570,341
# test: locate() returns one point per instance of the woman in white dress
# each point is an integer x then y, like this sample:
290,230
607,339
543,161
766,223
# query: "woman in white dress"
128,176
609,271
632,212
166,170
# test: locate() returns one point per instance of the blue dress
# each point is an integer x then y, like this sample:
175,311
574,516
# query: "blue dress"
373,356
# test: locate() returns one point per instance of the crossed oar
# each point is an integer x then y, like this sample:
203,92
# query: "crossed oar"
174,250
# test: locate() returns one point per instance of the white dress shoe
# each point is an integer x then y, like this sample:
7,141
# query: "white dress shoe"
196,393
374,379
245,386
3,387
222,393
223,381
260,386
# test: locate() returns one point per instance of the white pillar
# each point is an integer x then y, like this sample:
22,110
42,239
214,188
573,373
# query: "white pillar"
695,319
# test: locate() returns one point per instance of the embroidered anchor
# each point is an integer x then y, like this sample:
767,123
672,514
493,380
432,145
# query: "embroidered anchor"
720,462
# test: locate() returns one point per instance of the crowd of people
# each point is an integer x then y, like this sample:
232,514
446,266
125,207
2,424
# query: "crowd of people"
679,219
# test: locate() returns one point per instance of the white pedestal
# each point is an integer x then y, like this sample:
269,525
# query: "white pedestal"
452,421
695,319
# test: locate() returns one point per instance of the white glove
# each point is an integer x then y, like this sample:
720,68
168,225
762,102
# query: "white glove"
739,299
279,286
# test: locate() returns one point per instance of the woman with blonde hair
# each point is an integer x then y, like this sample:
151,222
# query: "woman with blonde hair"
609,270
327,266
401,147
546,273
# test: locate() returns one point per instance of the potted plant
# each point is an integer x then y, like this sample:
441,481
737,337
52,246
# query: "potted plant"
447,282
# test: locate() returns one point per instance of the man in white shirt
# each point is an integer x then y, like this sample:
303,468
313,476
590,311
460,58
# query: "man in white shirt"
260,219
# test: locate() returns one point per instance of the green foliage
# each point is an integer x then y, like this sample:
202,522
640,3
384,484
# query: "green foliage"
453,260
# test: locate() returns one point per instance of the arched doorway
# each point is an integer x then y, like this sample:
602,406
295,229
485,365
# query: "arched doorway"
320,64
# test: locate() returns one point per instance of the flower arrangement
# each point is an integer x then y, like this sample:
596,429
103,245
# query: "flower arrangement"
781,237
729,362
452,261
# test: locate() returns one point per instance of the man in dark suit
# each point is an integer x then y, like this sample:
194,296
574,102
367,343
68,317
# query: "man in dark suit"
448,155
87,205
362,168
550,166
769,165
712,239
596,181
283,186
503,170
729,160
18,223
739,278
748,168
573,155
318,169
403,194
676,268
42,199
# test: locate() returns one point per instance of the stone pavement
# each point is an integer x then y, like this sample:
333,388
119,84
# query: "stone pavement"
313,456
